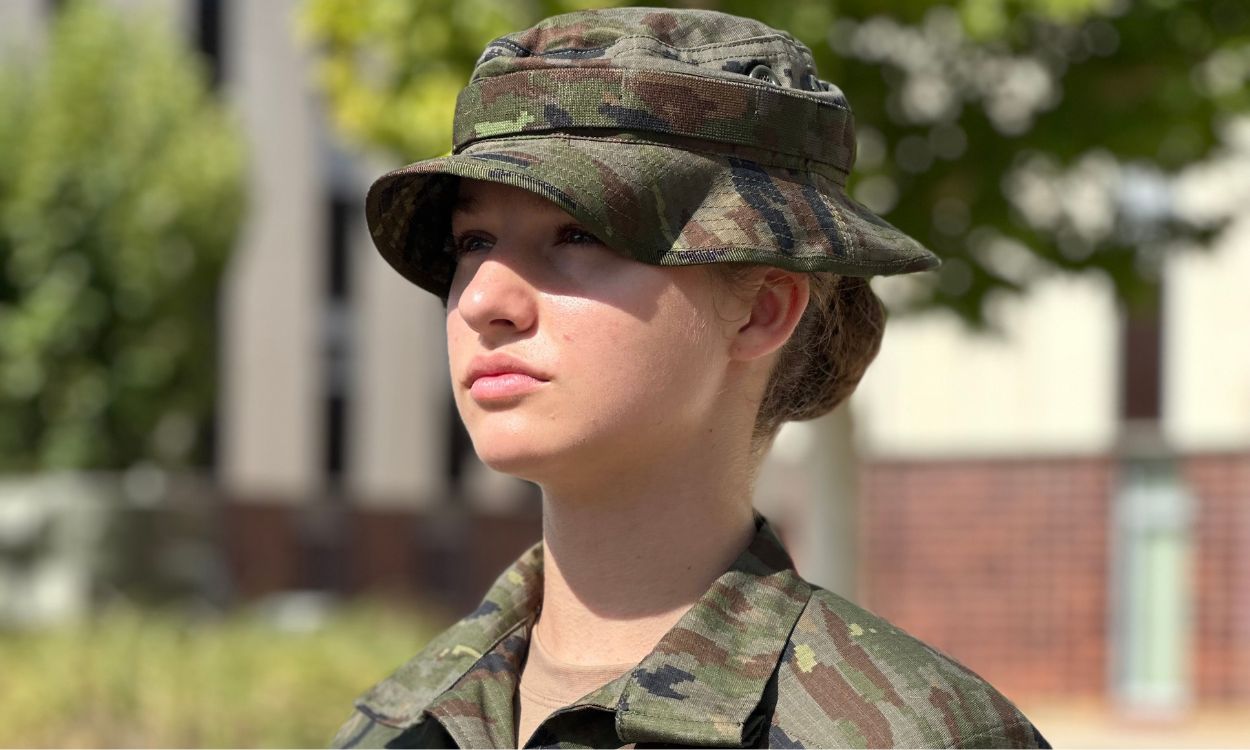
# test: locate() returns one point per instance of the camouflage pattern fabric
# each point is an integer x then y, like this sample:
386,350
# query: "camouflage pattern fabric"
676,136
763,659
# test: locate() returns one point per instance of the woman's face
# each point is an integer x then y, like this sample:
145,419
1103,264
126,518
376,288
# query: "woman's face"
626,360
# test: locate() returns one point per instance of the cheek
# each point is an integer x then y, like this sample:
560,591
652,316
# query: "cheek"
456,330
632,360
462,345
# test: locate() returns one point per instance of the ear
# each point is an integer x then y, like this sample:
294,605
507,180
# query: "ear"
776,308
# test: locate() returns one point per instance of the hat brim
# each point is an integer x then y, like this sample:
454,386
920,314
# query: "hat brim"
656,202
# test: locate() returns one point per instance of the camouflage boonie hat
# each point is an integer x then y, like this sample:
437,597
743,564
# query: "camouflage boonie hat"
678,137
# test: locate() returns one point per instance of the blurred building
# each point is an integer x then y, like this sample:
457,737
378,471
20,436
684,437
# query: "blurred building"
1065,509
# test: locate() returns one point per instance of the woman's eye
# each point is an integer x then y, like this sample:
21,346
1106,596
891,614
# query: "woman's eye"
579,236
467,243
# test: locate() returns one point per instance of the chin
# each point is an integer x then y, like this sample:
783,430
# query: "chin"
522,454
520,464
533,455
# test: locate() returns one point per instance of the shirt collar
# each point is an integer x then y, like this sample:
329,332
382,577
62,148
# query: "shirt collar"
699,686
705,677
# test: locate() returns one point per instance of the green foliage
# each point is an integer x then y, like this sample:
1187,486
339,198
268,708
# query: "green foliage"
977,118
391,69
984,121
121,191
134,678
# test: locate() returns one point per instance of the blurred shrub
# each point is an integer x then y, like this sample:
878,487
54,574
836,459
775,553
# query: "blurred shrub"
135,678
121,191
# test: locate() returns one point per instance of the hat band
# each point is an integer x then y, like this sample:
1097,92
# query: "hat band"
712,109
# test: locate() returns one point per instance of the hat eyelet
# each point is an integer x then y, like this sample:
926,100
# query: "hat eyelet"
764,73
811,83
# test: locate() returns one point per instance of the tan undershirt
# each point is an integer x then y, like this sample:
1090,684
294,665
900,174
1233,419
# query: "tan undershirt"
548,684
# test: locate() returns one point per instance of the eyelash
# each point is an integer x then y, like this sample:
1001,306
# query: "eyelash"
459,241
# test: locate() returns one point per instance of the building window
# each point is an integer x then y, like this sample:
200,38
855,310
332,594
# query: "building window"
336,340
208,37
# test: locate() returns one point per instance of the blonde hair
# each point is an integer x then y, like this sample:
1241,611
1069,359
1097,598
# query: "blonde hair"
826,356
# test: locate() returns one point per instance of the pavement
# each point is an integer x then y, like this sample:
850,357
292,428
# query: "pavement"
1099,725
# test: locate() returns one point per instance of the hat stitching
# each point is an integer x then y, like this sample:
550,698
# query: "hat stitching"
569,52
731,57
789,41
738,79
798,96
503,41
805,163
802,165
718,254
741,253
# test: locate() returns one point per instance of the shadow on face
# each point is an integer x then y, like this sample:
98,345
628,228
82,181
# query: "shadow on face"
550,252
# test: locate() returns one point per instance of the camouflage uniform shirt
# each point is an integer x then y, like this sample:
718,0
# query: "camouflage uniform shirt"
763,659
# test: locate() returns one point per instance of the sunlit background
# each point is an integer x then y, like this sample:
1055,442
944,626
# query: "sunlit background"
234,491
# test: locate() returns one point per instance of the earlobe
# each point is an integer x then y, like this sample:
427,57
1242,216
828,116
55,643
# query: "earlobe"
778,306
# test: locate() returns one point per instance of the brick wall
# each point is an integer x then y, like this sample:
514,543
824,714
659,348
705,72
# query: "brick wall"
1221,484
446,557
999,563
1003,564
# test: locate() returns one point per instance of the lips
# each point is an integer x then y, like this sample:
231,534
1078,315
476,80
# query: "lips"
501,364
500,379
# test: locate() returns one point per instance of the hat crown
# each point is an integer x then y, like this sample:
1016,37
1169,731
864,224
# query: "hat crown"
690,41
720,81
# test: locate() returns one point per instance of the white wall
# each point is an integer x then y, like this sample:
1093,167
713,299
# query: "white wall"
21,24
1048,387
271,425
1206,402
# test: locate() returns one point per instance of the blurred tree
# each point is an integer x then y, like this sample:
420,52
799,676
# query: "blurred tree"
1013,137
121,191
1018,137
391,69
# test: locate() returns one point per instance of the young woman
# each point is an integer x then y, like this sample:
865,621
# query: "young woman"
649,264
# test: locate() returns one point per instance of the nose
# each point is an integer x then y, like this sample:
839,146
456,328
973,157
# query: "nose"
498,297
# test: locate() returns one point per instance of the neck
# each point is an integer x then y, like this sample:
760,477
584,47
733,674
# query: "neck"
623,563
